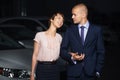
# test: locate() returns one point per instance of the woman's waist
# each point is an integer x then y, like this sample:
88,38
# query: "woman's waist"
47,57
47,62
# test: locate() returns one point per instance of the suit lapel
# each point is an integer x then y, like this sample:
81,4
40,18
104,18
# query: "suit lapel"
89,34
76,32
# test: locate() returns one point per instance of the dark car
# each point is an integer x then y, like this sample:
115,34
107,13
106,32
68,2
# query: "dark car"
29,22
22,29
15,59
19,33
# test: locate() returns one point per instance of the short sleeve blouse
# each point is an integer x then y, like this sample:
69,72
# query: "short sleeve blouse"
49,46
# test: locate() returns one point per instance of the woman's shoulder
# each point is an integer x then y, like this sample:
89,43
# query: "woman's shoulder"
40,33
59,37
58,34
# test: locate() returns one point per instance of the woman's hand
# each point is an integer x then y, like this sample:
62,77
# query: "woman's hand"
32,77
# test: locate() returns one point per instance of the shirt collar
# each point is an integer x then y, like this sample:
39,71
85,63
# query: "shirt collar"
86,25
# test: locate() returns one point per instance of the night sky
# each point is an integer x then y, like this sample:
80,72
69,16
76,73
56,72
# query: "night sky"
44,7
47,7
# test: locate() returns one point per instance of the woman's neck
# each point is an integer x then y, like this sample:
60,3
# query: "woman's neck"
51,32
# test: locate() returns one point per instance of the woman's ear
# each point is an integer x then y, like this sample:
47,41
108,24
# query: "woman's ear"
51,20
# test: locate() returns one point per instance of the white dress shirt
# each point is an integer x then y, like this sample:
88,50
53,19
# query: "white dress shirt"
86,25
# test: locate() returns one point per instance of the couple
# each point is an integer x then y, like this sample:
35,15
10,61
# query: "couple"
82,47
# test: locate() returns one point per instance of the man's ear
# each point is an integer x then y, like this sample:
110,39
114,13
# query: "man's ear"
83,15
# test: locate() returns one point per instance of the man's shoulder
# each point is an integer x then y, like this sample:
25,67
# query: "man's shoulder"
96,26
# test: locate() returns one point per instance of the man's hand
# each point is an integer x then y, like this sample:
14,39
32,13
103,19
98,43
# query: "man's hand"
76,56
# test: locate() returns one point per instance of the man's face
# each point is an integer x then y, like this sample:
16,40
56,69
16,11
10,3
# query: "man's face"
76,15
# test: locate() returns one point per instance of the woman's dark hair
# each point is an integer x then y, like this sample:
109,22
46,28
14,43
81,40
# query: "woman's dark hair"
53,16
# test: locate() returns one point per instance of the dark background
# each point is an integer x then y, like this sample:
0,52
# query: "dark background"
45,7
102,12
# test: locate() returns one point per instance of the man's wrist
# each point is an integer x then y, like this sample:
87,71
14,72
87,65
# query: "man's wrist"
73,60
97,74
72,57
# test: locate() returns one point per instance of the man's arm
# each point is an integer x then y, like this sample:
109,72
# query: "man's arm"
100,53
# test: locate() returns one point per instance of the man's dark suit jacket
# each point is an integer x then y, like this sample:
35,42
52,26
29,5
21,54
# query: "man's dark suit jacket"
93,49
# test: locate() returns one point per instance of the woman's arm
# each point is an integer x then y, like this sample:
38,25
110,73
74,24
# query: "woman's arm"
34,59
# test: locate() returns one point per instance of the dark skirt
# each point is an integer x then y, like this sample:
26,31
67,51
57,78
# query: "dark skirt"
47,72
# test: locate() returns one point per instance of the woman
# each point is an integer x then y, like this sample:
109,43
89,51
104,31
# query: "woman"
46,51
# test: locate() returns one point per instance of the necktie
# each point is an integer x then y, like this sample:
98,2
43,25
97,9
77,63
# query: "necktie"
82,34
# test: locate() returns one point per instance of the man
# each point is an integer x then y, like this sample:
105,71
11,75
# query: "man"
82,46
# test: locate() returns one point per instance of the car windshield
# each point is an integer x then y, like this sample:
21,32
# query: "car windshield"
7,43
18,32
45,22
31,23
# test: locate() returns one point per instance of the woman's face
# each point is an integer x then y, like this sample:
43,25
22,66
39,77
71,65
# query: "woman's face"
57,21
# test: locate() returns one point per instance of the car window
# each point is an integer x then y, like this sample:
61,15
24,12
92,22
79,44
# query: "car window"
30,23
8,43
17,32
45,22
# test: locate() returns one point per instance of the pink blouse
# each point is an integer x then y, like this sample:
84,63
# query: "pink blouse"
49,46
